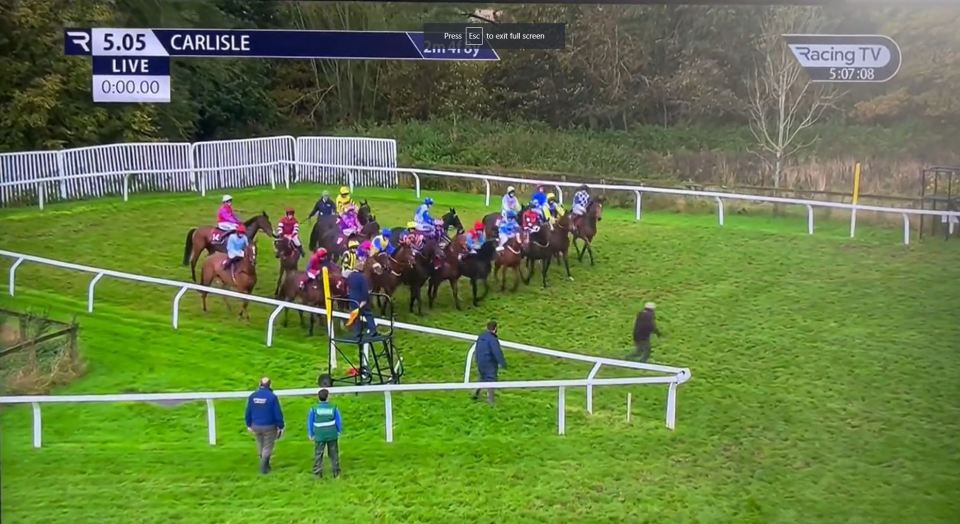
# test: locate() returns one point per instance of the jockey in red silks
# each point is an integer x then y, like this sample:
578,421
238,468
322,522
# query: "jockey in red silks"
314,266
530,220
289,228
226,219
475,237
349,222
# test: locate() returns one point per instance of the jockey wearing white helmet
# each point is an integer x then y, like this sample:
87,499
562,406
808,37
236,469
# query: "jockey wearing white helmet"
510,202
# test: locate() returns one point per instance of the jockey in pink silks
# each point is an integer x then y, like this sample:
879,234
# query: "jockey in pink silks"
226,219
349,222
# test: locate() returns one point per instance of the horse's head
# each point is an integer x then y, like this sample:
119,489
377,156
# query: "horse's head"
261,221
363,212
596,207
451,219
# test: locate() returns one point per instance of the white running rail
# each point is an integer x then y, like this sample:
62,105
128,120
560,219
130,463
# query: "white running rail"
673,376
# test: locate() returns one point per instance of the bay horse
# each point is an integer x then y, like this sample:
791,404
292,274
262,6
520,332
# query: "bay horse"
242,277
289,257
538,248
509,258
560,242
587,228
213,240
477,267
389,279
490,221
309,295
448,270
417,274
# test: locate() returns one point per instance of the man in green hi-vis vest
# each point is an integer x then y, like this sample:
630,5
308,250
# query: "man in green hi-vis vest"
324,428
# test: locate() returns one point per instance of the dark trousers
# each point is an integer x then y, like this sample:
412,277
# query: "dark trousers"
490,392
643,349
266,437
365,322
332,447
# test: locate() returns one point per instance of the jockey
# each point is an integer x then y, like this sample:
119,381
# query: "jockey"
236,243
531,218
554,209
510,202
508,228
475,237
581,199
539,198
412,237
226,219
363,252
381,243
425,223
349,222
343,200
289,228
315,265
323,207
349,258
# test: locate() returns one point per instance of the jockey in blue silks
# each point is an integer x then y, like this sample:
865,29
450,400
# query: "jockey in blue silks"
425,223
508,228
381,243
539,202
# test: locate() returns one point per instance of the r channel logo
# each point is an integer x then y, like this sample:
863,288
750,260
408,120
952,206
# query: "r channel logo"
473,36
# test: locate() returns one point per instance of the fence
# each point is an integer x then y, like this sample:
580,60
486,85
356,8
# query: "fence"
181,167
673,376
369,172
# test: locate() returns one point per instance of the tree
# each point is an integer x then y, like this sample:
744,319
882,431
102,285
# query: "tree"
783,102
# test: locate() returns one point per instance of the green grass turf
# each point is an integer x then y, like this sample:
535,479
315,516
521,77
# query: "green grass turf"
825,382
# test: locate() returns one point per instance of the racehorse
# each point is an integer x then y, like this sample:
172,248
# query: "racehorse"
539,248
587,228
309,295
242,276
214,240
509,258
449,270
560,242
418,273
388,280
491,220
477,267
326,231
289,257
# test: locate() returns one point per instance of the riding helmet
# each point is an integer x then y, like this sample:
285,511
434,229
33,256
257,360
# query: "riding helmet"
551,196
353,243
226,198
411,225
511,189
344,190
289,211
428,201
320,252
385,232
241,229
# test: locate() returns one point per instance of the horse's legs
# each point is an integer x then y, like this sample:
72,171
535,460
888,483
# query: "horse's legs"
276,293
486,289
544,268
456,292
526,279
473,289
310,329
579,250
589,248
503,277
203,298
518,276
566,265
193,264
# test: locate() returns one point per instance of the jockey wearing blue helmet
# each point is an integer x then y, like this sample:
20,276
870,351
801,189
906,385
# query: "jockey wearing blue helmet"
381,243
425,222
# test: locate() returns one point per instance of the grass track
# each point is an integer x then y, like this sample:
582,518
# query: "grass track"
825,382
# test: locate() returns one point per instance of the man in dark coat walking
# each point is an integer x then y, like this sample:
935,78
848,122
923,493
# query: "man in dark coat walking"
358,291
264,420
489,358
643,327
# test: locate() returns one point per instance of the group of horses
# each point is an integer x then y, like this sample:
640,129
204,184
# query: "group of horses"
444,257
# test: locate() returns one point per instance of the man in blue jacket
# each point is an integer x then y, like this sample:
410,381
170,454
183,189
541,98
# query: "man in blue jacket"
489,358
265,420
358,291
324,427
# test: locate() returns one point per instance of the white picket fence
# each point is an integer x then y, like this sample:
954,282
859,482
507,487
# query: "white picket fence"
669,375
120,169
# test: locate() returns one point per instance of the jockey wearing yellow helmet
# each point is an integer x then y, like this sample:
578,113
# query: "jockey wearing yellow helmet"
343,200
349,258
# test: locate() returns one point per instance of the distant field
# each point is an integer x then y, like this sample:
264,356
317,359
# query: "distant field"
825,382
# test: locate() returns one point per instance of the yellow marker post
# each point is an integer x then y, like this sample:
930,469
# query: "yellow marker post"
856,183
328,305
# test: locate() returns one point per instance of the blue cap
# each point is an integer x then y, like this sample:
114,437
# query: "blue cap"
385,232
428,201
511,214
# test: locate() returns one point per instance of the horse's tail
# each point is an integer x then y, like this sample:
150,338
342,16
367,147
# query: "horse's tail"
188,246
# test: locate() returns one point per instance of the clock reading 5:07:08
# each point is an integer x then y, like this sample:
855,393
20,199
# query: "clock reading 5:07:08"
133,87
852,73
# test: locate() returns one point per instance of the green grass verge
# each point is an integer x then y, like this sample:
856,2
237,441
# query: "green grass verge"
825,382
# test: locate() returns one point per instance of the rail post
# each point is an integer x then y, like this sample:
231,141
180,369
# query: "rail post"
273,317
486,196
639,204
388,407
93,283
853,221
672,406
559,193
809,219
62,172
629,405
906,229
211,423
720,210
562,411
416,182
350,179
126,187
593,373
13,274
176,307
40,194
273,178
37,427
466,368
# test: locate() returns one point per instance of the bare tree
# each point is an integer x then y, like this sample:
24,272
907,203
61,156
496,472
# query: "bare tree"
783,101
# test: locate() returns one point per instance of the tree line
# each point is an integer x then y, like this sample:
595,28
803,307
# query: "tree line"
623,66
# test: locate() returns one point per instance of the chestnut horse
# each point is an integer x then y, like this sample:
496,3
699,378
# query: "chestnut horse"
242,276
509,258
200,238
289,257
587,228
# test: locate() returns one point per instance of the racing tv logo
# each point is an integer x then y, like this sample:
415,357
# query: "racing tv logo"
76,42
